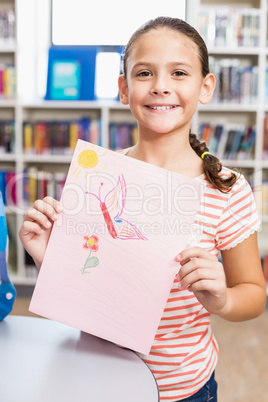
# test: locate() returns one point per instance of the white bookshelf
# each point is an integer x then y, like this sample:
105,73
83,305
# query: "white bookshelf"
108,111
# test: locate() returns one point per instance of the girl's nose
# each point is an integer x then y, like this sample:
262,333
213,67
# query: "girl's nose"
160,87
160,91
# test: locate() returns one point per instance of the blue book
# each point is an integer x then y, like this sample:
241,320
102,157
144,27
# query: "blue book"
71,73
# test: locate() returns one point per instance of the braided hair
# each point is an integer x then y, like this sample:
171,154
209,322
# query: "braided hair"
212,166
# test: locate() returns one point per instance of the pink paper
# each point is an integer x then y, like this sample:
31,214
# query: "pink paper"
109,264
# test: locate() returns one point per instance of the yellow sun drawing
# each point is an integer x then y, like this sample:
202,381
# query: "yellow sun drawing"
88,160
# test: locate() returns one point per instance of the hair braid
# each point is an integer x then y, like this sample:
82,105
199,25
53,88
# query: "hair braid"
212,166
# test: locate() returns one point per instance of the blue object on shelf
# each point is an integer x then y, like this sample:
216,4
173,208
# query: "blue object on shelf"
71,73
7,289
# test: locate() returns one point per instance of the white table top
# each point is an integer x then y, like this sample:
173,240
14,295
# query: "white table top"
45,361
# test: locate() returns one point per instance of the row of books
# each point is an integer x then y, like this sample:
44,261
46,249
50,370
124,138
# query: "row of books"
7,25
38,184
59,137
236,81
122,135
229,141
230,26
7,136
7,81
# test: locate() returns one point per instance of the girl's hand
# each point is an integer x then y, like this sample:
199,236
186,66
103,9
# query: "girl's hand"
36,228
204,275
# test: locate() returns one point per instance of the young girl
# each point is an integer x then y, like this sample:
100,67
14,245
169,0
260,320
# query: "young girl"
166,74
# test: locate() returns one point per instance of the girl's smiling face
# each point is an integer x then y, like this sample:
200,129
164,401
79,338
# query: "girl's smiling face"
164,82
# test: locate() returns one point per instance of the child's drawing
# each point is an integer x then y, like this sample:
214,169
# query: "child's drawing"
111,200
91,244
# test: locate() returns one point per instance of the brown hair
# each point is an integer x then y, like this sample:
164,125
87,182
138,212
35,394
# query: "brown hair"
212,166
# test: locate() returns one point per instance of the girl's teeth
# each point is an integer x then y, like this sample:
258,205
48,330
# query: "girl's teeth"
161,107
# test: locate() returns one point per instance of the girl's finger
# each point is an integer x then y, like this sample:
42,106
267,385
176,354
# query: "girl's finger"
197,275
194,252
31,227
33,215
54,203
198,263
204,284
46,208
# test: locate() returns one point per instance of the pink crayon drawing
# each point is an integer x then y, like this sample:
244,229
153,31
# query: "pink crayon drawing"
91,244
127,230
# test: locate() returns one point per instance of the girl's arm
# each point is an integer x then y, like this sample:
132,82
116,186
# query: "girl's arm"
245,281
234,290
36,228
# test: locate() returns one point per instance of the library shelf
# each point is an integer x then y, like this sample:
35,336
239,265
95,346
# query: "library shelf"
8,103
264,164
229,107
80,105
8,48
8,158
25,279
232,163
235,51
53,159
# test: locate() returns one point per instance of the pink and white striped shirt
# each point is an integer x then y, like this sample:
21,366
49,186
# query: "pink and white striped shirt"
184,353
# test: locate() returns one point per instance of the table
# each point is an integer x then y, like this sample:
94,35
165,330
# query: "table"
45,361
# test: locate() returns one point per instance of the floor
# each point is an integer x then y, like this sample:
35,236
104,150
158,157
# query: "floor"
242,371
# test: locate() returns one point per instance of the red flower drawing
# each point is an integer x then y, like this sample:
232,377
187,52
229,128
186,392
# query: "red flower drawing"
91,242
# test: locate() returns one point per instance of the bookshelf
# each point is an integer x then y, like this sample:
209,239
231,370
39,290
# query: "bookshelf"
247,113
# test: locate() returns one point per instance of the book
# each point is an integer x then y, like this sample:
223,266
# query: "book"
7,136
7,26
236,142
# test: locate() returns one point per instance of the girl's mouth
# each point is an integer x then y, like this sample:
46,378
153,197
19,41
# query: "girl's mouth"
161,107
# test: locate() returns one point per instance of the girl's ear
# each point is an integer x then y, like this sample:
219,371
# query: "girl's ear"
123,90
207,89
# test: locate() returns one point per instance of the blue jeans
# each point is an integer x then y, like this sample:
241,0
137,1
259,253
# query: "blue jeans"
207,393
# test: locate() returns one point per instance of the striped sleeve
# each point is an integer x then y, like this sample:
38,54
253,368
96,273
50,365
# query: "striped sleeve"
239,218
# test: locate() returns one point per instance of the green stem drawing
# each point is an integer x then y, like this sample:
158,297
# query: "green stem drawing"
91,262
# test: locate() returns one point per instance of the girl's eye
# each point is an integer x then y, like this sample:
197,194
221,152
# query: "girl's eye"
144,74
179,73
